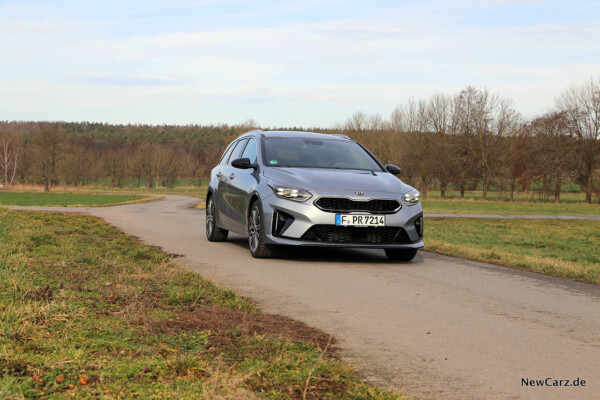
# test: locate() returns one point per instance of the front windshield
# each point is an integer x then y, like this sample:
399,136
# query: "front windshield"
317,153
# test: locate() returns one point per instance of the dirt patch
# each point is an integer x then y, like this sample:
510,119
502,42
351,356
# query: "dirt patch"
14,368
215,318
170,255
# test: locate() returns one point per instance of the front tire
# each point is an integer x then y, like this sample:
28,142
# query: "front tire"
256,233
400,254
213,232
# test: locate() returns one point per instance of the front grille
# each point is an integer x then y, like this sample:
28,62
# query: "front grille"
340,204
358,235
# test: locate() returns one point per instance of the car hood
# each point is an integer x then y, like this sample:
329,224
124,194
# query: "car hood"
336,179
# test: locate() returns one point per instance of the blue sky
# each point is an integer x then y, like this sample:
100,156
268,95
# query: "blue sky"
297,63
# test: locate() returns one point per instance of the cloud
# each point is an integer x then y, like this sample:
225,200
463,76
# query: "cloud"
133,80
315,61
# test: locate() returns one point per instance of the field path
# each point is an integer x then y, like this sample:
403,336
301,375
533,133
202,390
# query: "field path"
442,327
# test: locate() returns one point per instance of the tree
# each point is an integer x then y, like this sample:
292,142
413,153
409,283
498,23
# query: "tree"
10,156
48,144
484,119
357,122
439,112
555,148
463,128
581,107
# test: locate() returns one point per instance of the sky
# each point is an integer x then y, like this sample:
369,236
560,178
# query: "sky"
283,63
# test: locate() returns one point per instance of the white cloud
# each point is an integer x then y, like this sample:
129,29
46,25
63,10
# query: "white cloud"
322,70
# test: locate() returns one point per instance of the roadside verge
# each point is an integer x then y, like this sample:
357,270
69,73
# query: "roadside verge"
87,311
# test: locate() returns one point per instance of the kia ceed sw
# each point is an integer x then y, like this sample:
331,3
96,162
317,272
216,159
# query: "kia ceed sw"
311,189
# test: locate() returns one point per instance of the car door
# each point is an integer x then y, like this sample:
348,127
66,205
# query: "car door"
240,186
221,184
229,173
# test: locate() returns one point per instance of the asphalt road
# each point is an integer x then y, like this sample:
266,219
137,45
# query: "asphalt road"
441,327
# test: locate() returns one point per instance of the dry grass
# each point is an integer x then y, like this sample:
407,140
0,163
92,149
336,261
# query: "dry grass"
68,199
200,206
88,312
569,249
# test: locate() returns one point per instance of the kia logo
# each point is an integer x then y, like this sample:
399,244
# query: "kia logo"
359,193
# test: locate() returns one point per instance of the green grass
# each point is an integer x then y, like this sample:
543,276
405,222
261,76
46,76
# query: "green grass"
568,249
537,197
192,191
66,199
88,312
505,207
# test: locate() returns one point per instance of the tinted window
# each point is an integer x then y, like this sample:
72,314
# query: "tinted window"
226,154
317,153
237,151
250,151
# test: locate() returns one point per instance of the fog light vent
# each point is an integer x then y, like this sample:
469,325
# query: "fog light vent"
281,221
419,226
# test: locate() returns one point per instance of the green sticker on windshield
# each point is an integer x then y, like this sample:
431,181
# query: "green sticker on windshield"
273,162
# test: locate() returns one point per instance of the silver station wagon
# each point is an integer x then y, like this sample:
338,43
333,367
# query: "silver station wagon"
311,189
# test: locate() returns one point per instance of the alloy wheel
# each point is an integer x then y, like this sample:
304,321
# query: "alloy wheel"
210,217
254,229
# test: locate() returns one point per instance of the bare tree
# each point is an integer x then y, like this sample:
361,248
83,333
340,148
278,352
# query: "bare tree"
555,148
357,122
10,157
49,144
397,123
463,128
581,107
483,119
411,117
439,113
375,123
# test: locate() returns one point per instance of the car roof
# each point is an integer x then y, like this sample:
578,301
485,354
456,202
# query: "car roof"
298,134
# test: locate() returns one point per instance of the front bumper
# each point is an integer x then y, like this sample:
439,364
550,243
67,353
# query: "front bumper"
306,215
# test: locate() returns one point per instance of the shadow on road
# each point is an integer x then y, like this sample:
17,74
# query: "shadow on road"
316,254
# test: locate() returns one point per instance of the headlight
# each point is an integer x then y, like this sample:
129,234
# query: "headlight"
294,194
411,198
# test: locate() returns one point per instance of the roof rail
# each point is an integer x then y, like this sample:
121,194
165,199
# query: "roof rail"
252,131
340,135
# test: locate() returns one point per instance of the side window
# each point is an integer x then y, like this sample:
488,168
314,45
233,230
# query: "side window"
250,151
237,150
226,154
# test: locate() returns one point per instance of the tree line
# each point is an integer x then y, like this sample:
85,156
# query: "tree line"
463,141
475,138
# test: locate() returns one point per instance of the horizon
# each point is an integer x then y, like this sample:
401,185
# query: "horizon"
299,64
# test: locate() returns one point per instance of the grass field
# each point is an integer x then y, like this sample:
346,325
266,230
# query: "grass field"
67,199
505,207
181,187
568,249
88,312
186,191
565,197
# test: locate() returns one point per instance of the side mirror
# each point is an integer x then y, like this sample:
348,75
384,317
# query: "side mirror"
242,163
392,169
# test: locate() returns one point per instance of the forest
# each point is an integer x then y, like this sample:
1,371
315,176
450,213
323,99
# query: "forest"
470,140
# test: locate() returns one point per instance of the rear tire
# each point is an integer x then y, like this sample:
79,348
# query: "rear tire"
256,233
213,232
400,254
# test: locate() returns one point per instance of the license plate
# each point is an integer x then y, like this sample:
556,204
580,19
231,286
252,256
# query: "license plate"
359,220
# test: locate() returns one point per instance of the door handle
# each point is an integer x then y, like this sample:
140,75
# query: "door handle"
231,176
